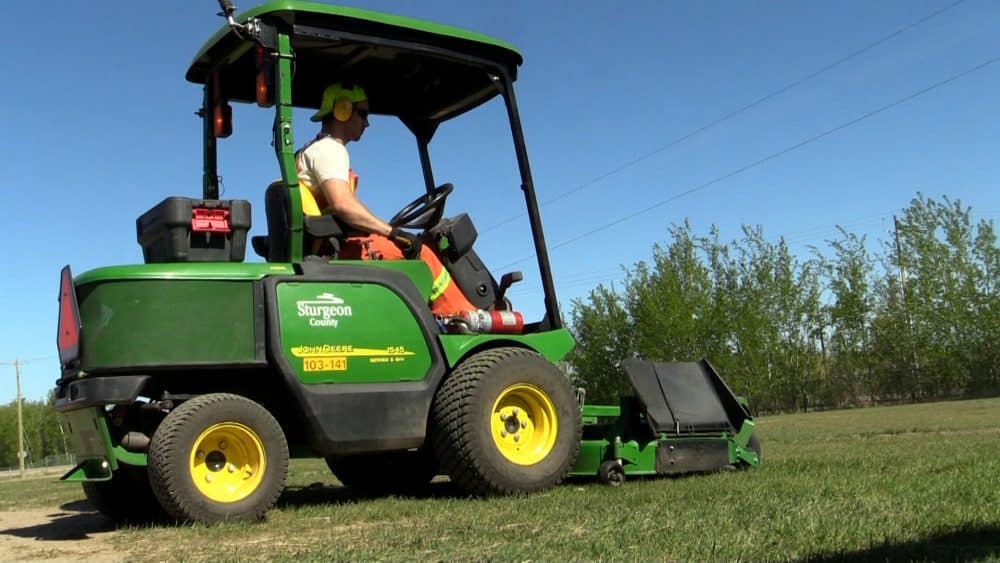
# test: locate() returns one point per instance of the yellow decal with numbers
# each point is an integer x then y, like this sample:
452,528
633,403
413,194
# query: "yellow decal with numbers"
333,357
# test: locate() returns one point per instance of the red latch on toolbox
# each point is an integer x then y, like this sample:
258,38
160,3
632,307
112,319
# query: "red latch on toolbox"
209,220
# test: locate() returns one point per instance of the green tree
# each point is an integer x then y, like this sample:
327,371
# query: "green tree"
670,303
8,434
601,327
940,278
42,434
985,350
848,276
778,317
936,325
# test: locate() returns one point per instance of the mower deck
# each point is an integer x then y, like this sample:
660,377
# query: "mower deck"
683,419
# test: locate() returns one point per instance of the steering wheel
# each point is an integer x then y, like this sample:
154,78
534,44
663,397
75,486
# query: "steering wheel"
423,212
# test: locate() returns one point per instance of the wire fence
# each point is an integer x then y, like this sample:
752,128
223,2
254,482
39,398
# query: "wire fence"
53,465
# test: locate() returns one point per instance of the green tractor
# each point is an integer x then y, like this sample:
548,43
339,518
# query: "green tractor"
189,381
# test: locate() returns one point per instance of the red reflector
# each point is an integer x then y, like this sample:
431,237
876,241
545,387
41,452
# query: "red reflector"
210,220
68,337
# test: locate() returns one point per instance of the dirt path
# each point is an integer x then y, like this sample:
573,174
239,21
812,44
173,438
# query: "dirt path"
55,534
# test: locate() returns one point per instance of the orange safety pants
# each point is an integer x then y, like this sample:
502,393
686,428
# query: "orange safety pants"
446,298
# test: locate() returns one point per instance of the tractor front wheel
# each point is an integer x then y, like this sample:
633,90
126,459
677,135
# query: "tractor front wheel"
506,421
218,457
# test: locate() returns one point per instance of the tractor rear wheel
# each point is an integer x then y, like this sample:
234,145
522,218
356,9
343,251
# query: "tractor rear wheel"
218,457
385,473
506,421
126,498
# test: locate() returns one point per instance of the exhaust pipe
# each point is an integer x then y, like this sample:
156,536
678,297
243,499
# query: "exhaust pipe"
136,442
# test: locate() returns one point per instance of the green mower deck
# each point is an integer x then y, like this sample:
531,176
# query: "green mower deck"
683,419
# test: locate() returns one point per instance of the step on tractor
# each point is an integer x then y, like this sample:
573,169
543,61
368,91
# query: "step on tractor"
189,381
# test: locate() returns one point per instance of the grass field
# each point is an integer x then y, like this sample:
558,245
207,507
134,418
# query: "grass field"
888,483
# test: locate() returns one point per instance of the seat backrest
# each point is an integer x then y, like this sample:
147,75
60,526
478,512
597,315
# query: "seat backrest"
315,228
276,209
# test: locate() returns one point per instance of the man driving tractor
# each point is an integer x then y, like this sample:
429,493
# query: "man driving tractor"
327,182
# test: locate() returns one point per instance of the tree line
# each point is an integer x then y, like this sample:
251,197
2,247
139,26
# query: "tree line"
43,437
917,318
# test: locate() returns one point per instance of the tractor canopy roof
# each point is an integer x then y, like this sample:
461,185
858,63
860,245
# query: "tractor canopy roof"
413,69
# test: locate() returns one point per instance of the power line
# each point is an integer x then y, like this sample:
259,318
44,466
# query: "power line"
586,277
591,276
823,232
577,276
769,158
565,284
28,361
736,112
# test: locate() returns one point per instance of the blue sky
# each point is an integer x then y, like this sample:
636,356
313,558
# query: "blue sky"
99,127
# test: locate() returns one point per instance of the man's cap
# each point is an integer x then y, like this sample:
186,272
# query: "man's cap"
333,93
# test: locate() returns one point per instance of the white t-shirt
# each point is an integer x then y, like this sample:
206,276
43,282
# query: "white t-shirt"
321,160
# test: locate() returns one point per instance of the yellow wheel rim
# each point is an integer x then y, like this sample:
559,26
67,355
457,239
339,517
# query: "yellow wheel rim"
227,462
523,424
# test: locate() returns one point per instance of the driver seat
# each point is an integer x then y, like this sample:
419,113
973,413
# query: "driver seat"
317,229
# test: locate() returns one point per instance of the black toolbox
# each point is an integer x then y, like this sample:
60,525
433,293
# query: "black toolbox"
182,229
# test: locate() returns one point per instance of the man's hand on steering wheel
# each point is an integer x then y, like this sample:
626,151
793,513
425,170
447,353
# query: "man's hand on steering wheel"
408,243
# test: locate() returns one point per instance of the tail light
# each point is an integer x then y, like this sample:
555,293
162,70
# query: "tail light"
222,112
222,120
68,337
265,68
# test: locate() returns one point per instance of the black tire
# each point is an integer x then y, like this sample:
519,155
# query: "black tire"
611,473
462,430
126,498
386,473
200,442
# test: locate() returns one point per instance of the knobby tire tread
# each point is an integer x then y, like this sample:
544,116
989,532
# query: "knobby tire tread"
453,421
164,477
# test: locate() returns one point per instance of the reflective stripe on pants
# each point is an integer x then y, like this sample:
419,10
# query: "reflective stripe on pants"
446,298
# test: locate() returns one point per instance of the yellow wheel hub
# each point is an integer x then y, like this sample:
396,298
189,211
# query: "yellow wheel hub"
523,424
227,462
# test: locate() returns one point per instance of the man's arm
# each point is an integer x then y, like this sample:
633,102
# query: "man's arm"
349,209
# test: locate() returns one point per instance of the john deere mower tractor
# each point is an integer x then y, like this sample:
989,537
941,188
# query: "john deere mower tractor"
188,381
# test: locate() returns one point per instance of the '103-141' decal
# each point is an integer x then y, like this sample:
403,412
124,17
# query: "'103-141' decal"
334,357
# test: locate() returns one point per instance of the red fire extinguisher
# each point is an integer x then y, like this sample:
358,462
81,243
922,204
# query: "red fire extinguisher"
480,321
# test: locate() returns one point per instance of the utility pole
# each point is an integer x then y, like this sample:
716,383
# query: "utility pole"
20,422
902,292
899,257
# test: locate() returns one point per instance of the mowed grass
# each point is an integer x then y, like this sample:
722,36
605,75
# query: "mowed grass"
918,482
